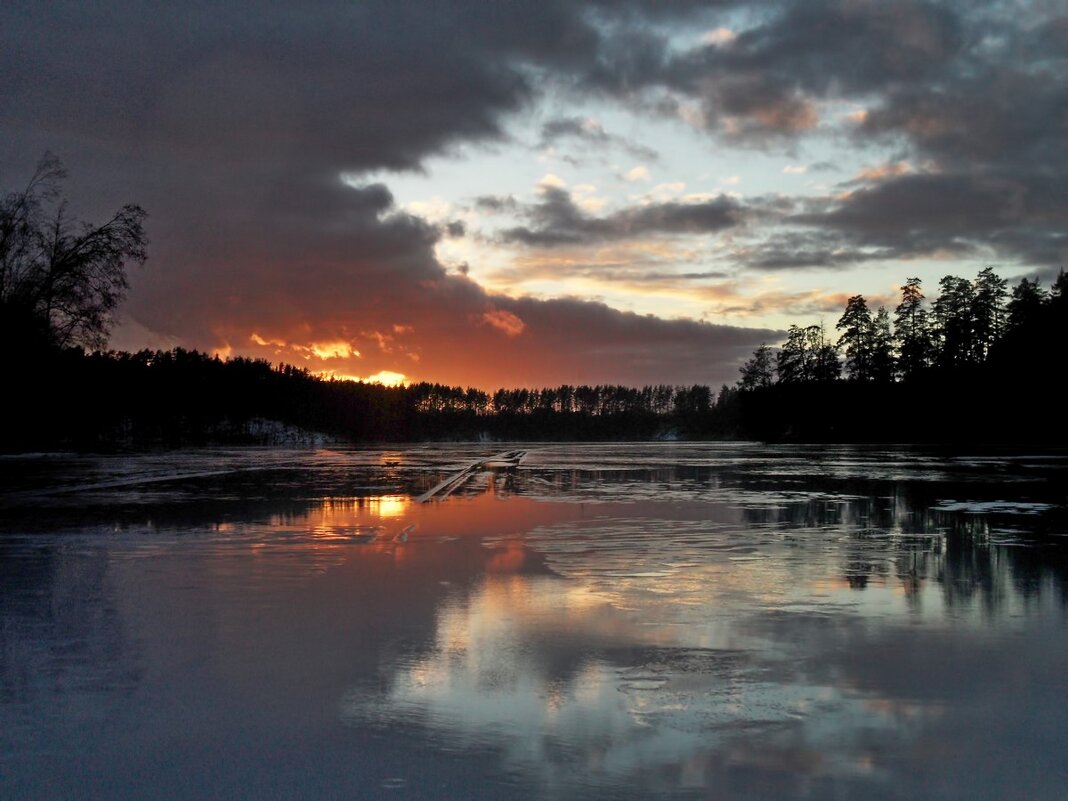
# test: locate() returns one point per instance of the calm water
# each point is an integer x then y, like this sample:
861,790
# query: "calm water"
607,621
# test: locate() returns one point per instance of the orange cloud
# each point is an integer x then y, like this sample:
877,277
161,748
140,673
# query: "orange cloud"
505,322
337,349
892,169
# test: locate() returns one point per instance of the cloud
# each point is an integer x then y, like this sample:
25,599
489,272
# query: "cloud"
639,266
557,220
761,84
719,37
494,204
891,169
916,212
505,322
805,303
806,249
592,134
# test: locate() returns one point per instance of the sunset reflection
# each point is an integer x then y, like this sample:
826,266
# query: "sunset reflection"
389,505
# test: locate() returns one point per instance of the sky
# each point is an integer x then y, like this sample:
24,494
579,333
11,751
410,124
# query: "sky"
537,193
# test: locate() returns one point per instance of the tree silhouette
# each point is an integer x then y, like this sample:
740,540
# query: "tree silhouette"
791,363
954,311
988,312
825,363
882,361
1058,293
912,331
1026,304
61,279
857,338
759,371
808,356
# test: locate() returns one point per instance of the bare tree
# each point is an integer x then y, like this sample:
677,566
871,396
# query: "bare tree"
61,278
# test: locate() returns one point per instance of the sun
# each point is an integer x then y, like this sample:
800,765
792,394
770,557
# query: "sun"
386,378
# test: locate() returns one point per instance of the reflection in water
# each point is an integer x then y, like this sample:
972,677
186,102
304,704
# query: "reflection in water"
570,688
610,621
678,647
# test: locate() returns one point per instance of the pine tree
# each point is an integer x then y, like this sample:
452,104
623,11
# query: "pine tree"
791,362
955,323
988,313
882,348
912,331
1026,304
1058,293
856,338
759,370
823,359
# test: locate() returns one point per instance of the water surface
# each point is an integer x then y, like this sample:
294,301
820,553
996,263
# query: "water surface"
688,620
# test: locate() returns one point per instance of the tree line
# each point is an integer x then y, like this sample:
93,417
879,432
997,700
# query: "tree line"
968,324
180,397
980,362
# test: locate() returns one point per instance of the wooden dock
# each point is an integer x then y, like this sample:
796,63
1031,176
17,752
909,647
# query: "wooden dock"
502,461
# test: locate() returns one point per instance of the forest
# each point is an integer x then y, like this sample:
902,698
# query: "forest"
105,400
980,363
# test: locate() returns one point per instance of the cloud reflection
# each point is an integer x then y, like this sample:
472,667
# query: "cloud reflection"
571,688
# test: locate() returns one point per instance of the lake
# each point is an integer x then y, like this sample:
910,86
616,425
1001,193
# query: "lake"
606,621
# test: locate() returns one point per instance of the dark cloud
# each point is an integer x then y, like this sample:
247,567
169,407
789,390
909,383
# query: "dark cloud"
1005,118
839,46
995,124
926,214
557,220
592,133
344,86
635,271
653,349
495,204
792,250
914,207
763,83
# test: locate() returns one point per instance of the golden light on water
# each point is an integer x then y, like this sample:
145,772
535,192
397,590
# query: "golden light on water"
389,505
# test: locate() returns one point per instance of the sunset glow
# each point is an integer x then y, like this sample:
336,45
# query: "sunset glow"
385,377
573,193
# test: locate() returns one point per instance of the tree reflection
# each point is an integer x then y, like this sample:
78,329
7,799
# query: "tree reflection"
62,632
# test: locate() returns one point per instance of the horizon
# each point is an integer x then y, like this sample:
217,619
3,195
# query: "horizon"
543,194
